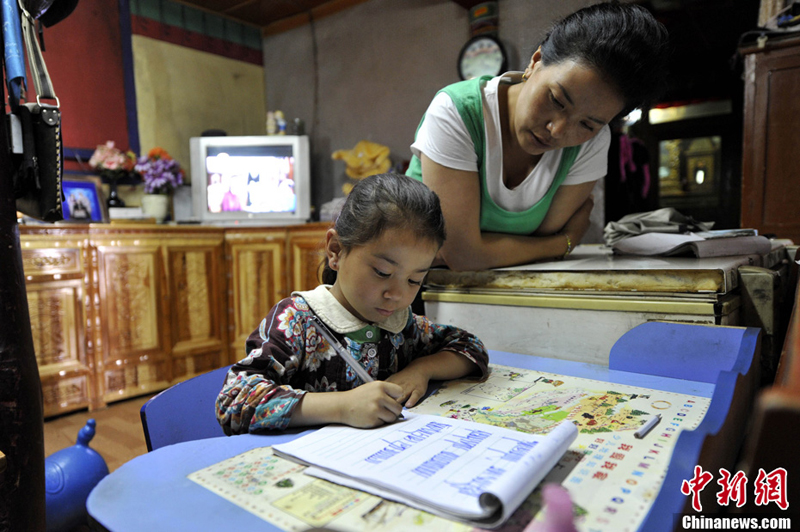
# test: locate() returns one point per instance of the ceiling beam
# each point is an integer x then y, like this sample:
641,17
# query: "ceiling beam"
315,13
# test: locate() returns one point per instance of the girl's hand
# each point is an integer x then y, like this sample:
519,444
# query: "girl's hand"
370,405
414,382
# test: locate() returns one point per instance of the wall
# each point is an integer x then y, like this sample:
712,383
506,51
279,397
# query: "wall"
148,73
369,72
193,71
181,92
85,58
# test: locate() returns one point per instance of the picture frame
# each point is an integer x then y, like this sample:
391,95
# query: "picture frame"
83,199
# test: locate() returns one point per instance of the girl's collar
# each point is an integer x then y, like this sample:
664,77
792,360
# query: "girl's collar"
340,319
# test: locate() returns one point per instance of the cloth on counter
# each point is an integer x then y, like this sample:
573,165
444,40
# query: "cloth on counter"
702,244
666,220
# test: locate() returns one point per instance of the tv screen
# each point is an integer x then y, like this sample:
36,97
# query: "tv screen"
251,179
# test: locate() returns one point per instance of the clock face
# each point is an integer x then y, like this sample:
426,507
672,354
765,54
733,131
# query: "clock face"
483,55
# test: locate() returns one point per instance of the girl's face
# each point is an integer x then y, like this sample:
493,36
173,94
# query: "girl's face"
561,105
381,277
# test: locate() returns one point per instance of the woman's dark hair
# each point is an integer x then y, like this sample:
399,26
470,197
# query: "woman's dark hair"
385,201
623,42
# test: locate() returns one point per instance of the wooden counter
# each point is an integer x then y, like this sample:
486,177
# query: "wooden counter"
775,426
123,310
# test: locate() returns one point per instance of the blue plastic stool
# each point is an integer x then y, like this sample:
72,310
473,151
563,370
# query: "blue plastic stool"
70,474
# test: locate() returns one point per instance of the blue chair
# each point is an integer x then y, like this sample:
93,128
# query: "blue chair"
184,412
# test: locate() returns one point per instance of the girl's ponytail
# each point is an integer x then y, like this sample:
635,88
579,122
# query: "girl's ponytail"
328,274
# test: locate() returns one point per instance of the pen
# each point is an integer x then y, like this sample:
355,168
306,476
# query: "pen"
326,333
647,427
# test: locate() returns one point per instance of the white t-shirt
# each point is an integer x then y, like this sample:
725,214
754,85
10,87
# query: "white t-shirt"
444,139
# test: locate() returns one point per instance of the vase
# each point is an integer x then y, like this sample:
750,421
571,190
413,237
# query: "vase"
156,206
113,198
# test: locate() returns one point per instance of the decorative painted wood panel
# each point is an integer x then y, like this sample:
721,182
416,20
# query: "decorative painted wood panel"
56,302
256,266
135,355
196,309
306,250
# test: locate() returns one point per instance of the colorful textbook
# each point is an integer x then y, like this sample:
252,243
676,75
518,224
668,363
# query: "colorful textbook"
699,379
462,470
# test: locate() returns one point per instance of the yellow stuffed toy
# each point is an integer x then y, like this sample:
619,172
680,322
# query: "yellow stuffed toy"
365,159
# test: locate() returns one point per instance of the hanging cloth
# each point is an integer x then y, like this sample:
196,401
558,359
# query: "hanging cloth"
14,55
627,162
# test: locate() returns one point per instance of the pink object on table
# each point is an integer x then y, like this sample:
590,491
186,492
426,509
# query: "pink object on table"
557,506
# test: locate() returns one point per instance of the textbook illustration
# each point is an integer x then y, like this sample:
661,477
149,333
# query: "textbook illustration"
612,476
534,403
278,491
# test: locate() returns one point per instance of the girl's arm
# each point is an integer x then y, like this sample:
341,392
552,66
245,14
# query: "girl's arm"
444,365
467,248
257,395
369,405
253,402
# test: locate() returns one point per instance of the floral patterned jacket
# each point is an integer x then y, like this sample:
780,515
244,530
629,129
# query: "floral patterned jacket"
287,358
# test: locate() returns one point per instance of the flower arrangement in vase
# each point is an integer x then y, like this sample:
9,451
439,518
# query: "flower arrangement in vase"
113,164
161,175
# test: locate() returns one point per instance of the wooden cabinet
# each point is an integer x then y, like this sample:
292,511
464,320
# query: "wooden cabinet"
132,350
120,311
770,187
161,302
266,265
256,280
60,302
196,303
305,246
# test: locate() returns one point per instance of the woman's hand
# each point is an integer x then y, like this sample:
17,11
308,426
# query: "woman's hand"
414,382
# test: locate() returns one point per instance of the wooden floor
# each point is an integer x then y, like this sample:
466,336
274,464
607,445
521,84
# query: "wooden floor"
118,437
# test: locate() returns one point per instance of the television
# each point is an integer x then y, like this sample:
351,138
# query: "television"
262,180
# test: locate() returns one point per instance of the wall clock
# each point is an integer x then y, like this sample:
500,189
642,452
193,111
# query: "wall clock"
482,55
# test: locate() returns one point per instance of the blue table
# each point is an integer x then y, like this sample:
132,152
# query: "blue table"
151,492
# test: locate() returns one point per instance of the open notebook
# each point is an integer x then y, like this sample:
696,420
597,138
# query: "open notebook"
457,469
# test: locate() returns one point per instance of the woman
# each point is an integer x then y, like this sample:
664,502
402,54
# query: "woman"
514,158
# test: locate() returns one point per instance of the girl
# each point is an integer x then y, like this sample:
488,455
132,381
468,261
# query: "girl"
377,254
514,158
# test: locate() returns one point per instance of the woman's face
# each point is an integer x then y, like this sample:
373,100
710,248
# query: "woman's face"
561,105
